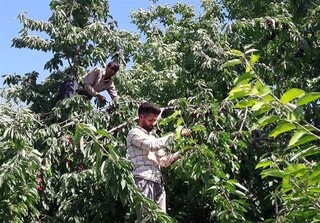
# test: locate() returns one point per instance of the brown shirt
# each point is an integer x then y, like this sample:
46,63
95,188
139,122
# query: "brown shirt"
94,83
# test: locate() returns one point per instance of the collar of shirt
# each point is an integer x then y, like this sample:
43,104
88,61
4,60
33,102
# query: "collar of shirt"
142,129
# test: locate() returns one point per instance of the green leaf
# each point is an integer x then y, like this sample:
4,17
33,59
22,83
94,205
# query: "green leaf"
235,53
250,51
239,193
258,105
282,128
314,190
298,112
307,98
231,63
254,58
262,110
103,133
272,172
90,127
245,103
291,94
300,137
294,169
98,157
123,183
234,182
178,132
198,128
313,150
286,184
263,89
244,78
266,120
268,98
295,115
81,145
239,91
263,164
241,187
102,169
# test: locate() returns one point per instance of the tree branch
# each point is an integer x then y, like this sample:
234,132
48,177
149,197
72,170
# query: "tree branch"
121,125
244,119
168,108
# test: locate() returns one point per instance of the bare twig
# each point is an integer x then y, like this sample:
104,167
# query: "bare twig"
168,108
121,125
244,119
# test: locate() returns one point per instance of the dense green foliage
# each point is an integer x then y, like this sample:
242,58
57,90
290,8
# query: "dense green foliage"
249,69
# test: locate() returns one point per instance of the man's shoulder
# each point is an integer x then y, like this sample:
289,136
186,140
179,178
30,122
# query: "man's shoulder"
136,130
101,69
96,70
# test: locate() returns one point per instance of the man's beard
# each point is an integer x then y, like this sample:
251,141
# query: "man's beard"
148,128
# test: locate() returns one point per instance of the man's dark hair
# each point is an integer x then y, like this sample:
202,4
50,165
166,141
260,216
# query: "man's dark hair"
114,65
148,108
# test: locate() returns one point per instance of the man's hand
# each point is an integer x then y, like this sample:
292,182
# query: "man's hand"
110,109
176,156
69,140
186,132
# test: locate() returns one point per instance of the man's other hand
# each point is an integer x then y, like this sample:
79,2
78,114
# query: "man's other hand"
186,132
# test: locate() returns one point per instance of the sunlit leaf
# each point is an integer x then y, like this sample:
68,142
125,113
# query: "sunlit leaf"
300,137
272,172
313,150
265,108
282,128
307,98
234,182
238,92
263,164
314,190
286,184
262,88
250,51
295,168
123,183
266,120
258,105
235,53
231,63
178,132
291,94
245,103
254,58
268,98
244,78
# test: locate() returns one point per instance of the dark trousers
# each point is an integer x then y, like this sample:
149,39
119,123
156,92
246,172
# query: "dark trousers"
69,87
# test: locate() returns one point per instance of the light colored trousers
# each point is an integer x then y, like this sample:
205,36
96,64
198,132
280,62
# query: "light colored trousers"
154,191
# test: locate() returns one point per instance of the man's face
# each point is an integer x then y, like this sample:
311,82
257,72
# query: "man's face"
148,121
110,71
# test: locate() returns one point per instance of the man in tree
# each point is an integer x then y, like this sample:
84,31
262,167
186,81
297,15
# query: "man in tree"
146,153
99,79
96,81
